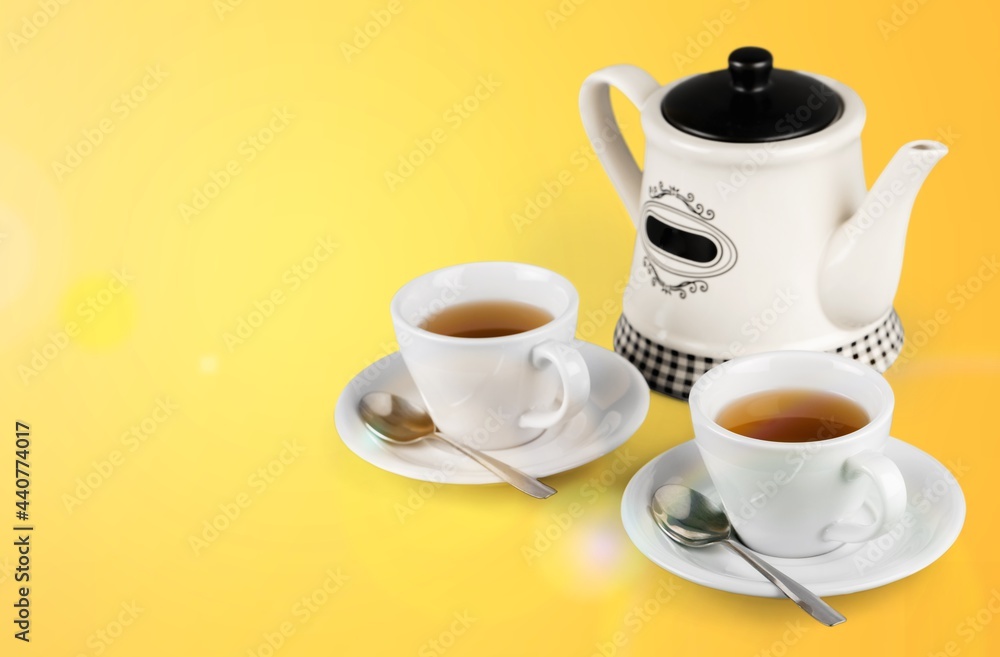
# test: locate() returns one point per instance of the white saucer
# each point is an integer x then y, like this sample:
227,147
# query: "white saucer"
619,400
936,511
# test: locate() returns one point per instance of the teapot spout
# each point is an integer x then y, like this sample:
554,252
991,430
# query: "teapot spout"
864,258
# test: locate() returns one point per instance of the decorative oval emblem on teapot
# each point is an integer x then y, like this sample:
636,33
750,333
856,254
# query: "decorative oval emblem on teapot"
680,239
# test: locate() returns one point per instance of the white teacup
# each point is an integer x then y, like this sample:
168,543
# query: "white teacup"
496,392
798,499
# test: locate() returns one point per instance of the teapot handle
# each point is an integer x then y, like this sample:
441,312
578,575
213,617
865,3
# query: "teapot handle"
603,131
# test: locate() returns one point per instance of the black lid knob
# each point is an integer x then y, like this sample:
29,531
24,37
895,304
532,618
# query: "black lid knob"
750,68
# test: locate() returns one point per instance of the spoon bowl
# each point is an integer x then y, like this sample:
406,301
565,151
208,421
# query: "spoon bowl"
394,419
691,519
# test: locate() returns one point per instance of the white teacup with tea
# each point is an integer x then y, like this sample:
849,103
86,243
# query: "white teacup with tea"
489,347
793,442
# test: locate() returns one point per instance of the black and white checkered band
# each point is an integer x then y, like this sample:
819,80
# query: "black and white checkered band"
673,372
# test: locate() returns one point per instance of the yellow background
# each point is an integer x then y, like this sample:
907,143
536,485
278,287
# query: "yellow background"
345,118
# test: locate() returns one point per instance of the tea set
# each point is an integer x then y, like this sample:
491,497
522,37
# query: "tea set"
761,264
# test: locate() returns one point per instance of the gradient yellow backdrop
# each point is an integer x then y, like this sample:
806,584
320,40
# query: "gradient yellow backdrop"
169,169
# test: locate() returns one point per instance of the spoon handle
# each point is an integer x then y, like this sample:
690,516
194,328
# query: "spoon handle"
511,475
802,596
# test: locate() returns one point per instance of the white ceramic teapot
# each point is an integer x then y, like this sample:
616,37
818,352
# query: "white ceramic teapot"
755,228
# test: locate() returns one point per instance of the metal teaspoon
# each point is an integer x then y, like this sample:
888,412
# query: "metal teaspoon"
691,519
397,421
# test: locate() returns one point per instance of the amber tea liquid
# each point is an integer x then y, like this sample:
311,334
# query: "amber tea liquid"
793,416
486,319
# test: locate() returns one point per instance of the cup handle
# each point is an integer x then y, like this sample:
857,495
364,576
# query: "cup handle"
891,490
575,383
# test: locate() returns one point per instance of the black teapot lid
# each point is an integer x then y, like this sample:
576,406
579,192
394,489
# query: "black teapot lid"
751,102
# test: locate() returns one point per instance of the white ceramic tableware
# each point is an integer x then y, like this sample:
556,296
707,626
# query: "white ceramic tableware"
619,400
932,521
796,499
497,392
